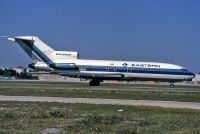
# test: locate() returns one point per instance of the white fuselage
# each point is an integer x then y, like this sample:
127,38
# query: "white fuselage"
126,70
68,63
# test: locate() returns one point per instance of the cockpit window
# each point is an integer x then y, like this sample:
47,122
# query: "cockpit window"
183,69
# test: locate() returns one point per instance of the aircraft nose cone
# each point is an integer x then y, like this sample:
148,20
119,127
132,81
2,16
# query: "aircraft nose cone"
193,75
190,76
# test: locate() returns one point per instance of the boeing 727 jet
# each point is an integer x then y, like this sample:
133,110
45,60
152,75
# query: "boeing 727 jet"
68,63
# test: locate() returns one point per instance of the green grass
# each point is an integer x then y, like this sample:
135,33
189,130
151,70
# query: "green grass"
29,117
116,91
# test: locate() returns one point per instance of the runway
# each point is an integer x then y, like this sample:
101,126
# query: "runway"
164,104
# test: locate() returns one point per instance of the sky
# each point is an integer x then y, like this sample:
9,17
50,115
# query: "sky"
137,30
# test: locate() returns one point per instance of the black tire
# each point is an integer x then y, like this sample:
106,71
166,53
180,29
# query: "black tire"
94,83
172,85
91,83
97,83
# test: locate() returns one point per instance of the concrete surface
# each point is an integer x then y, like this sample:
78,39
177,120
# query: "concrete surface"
164,104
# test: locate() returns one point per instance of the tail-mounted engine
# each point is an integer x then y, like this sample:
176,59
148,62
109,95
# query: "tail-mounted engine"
64,66
41,66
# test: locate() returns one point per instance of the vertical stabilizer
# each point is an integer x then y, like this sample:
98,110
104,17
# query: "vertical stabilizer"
34,47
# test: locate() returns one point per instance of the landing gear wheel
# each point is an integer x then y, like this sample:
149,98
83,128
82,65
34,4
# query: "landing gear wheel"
94,83
172,85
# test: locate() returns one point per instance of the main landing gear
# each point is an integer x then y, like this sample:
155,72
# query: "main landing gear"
95,82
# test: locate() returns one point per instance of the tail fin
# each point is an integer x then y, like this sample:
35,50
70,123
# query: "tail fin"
34,47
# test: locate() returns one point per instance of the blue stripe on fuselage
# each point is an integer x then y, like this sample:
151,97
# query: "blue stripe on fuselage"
138,70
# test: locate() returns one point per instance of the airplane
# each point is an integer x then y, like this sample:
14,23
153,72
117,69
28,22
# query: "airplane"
69,64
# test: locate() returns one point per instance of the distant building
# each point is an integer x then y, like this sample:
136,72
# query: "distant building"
18,70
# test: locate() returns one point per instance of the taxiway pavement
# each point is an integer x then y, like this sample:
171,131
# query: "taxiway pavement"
164,104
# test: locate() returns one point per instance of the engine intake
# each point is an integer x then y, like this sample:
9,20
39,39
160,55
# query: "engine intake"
40,66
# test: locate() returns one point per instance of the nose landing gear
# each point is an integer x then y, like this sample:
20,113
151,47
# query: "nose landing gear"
172,85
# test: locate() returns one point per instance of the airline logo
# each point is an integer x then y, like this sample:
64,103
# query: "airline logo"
146,65
143,65
125,64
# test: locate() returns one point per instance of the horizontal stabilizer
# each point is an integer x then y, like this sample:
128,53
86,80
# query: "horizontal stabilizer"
9,38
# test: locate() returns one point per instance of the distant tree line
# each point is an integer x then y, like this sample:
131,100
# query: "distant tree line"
12,73
7,72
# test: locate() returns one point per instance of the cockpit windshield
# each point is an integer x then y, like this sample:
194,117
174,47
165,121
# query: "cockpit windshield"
184,69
